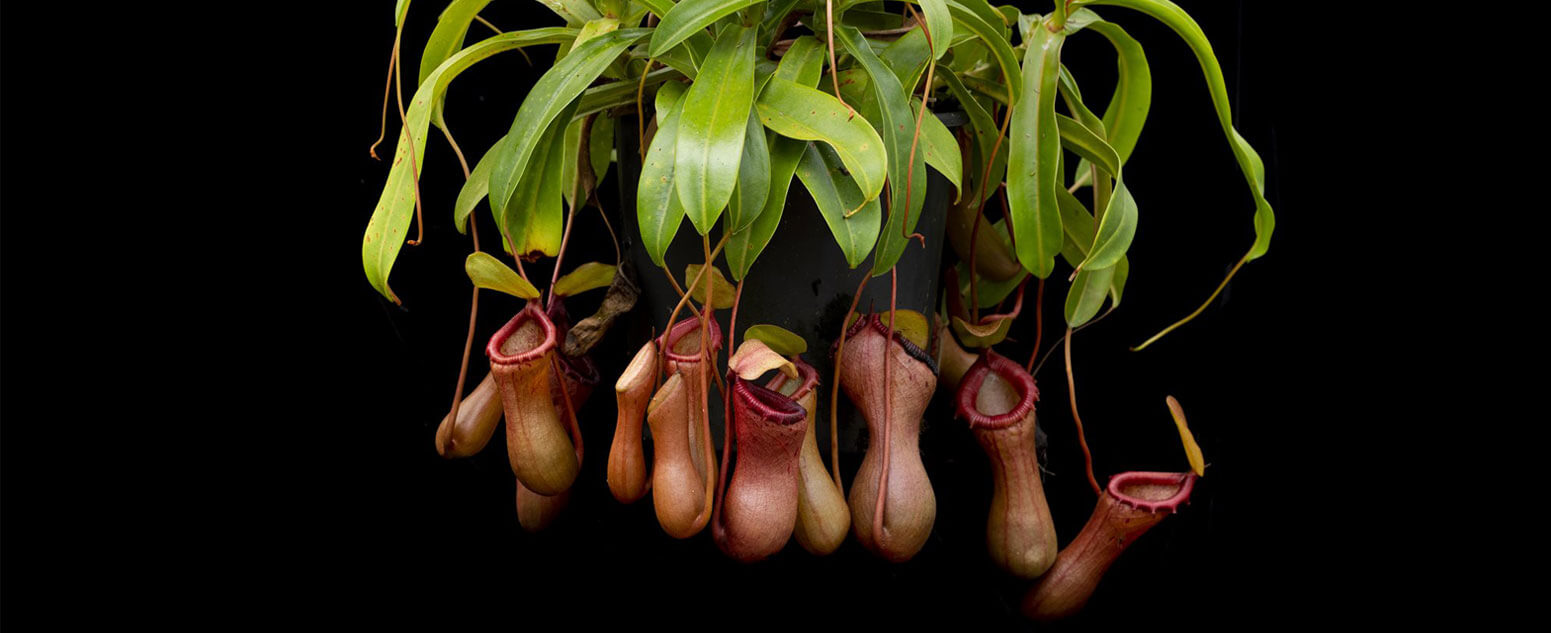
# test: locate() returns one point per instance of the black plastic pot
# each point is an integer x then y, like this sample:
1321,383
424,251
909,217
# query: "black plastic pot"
800,282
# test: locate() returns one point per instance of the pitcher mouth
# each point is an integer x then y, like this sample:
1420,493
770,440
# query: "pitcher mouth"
1011,373
1152,491
681,329
807,379
873,321
767,404
546,337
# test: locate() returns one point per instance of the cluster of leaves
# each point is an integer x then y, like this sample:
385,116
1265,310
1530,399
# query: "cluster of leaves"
735,105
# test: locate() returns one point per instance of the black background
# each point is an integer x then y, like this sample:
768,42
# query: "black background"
350,510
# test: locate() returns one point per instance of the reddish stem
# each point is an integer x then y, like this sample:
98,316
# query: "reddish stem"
721,487
834,390
1039,324
879,531
1071,390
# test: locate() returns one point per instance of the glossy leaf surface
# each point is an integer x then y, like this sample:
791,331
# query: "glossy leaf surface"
489,273
712,128
689,17
806,114
588,276
822,173
658,212
1033,173
387,229
555,90
1249,161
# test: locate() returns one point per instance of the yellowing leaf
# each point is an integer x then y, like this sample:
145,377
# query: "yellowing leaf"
489,273
990,331
754,358
586,277
721,288
780,339
909,323
1192,450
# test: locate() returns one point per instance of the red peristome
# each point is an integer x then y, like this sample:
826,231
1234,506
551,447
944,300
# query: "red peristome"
1007,370
681,329
530,312
807,377
1152,491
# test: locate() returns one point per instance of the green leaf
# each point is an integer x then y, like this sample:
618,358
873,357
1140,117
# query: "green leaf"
744,246
451,29
1083,142
711,131
722,290
805,114
989,291
940,22
1077,223
1033,173
601,147
941,149
1249,161
557,89
1087,295
1116,229
387,229
669,96
803,62
658,7
995,38
896,124
400,10
658,211
474,189
1128,106
821,171
619,93
595,27
588,276
570,157
984,128
532,221
688,17
489,273
777,338
775,11
907,56
749,195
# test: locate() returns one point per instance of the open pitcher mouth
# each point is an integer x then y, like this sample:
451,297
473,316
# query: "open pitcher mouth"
524,339
875,322
807,380
1152,491
996,393
769,405
682,341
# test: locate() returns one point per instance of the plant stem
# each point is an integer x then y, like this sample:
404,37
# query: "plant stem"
387,89
834,389
1039,324
409,139
468,341
974,232
1071,390
879,531
834,69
